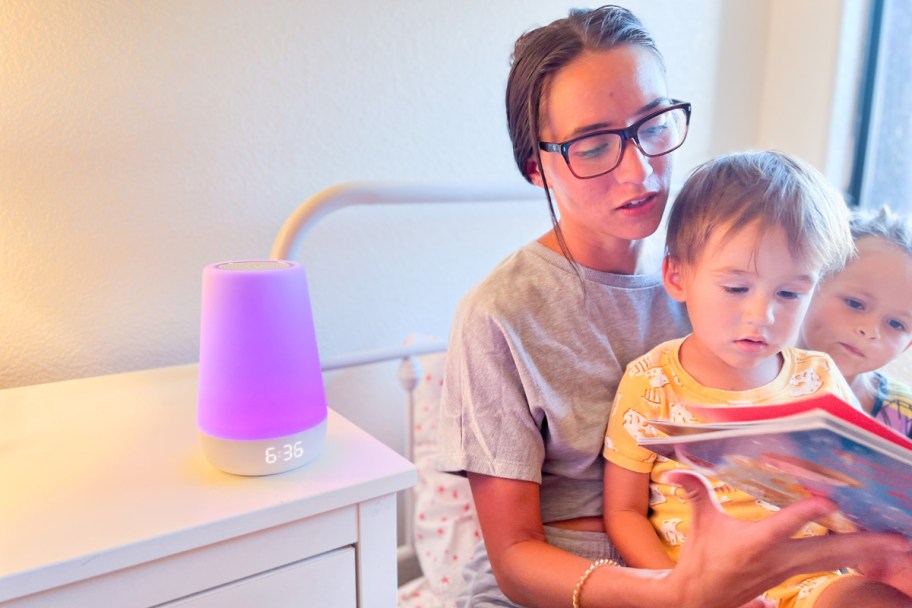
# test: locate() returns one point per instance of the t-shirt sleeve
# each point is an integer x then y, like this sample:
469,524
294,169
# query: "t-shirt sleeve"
486,425
894,405
627,422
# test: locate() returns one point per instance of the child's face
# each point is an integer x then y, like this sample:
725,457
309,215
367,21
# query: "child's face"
862,317
746,297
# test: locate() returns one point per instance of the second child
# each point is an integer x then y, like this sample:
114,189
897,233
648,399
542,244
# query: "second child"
749,237
862,315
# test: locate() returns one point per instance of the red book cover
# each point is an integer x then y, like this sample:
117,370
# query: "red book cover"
828,403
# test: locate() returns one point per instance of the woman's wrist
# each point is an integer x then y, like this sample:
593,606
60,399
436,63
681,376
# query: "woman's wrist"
621,587
577,591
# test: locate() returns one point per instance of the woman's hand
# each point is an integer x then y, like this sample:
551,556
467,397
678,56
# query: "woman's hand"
728,562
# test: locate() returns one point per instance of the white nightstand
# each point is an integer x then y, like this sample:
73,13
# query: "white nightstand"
107,500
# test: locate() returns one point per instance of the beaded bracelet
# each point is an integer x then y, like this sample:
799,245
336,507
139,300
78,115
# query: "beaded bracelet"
592,568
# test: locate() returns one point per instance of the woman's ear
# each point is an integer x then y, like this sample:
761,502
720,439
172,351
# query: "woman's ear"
533,171
672,270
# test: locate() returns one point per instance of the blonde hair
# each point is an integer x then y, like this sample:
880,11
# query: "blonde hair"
768,187
884,224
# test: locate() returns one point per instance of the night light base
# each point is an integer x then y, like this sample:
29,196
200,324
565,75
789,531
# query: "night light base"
264,456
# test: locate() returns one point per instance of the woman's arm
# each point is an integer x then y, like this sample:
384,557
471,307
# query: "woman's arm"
626,506
533,573
725,563
528,570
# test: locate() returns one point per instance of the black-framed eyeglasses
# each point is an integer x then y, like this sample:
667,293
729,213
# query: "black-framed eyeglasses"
597,153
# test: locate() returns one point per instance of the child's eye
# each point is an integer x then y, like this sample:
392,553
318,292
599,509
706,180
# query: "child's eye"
734,290
897,325
788,295
853,303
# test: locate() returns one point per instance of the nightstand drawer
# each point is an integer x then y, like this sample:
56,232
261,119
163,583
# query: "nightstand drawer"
211,567
327,581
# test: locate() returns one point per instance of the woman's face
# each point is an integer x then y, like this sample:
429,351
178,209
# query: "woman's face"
605,89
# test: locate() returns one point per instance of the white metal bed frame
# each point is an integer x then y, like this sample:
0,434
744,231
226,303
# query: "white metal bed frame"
311,211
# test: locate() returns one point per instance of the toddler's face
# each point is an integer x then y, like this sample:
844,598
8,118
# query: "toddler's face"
746,296
862,316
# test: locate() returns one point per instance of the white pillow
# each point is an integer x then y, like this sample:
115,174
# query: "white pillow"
445,526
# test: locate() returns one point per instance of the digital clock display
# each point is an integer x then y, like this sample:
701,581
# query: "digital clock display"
284,453
266,456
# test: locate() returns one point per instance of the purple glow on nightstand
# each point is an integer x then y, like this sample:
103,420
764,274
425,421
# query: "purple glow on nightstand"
259,372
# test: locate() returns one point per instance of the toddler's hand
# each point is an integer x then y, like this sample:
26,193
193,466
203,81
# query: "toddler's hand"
895,571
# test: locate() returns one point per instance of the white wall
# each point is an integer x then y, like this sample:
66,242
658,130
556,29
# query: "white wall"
140,141
813,56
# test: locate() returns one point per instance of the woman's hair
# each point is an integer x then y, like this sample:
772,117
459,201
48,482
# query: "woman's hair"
541,53
884,224
771,188
544,51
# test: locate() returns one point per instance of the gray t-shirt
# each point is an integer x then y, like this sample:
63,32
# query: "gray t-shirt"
533,362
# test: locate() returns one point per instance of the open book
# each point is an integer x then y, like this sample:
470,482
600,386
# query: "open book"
780,454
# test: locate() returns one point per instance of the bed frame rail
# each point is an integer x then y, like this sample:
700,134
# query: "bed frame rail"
310,212
287,242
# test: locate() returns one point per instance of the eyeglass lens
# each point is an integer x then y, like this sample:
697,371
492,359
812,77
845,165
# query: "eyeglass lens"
601,153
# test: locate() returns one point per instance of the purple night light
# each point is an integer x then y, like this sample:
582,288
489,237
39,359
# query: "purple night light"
259,373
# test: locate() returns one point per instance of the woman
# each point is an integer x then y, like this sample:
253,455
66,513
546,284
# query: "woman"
537,349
